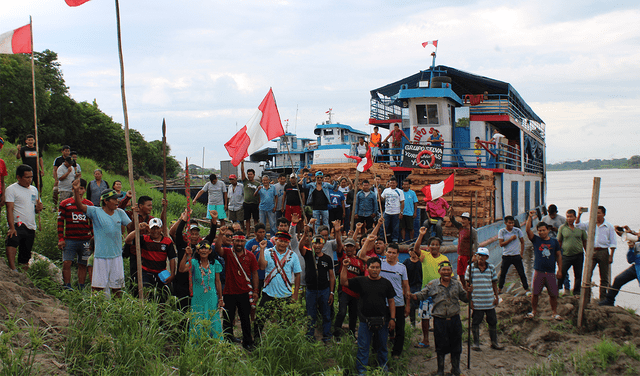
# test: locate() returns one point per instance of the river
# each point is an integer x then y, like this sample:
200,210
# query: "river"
619,194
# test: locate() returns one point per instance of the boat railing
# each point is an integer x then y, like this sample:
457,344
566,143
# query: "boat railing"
506,157
503,104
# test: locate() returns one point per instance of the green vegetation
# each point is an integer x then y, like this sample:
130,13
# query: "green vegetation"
63,121
596,164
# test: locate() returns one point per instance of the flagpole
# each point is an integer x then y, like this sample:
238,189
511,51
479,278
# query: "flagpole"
35,120
355,199
304,216
129,155
164,173
470,282
384,228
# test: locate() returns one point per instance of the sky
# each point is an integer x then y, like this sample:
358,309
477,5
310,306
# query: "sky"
206,65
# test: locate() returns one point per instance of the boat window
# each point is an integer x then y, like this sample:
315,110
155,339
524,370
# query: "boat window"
427,114
328,132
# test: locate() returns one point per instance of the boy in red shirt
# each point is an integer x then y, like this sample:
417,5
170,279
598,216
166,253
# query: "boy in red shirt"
348,298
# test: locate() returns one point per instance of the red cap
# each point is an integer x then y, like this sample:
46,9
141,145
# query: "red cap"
233,176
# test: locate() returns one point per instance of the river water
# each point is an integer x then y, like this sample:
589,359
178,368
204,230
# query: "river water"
619,194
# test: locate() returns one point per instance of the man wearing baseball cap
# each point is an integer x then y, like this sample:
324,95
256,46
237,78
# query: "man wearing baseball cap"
155,250
483,283
467,241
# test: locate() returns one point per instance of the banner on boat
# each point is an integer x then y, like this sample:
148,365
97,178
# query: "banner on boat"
422,156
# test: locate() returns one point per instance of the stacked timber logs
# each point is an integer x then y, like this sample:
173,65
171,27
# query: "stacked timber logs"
469,182
349,170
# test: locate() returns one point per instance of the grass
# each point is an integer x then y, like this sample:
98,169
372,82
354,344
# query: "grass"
20,342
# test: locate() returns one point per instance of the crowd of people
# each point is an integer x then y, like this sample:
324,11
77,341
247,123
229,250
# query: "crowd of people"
253,270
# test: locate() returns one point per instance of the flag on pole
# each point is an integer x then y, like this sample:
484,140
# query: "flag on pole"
434,42
433,191
16,41
264,125
363,163
75,3
328,112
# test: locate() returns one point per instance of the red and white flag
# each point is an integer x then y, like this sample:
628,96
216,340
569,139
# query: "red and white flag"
328,112
16,41
363,163
434,42
433,191
75,3
264,125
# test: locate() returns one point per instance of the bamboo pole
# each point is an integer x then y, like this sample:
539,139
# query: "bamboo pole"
355,198
586,274
164,174
470,282
35,122
129,154
384,228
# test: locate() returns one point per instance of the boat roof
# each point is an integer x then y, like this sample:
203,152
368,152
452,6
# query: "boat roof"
343,126
462,83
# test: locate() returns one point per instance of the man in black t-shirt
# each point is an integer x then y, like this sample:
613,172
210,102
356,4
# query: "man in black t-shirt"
29,156
320,279
376,311
292,195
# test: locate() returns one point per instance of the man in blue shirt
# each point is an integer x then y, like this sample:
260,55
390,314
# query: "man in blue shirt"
108,224
267,205
410,210
366,205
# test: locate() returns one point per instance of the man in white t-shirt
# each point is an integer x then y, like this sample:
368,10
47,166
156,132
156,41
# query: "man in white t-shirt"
511,240
22,206
279,186
217,192
66,175
393,208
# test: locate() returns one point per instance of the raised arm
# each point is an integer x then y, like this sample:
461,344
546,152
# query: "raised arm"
528,224
337,226
185,263
344,277
78,197
362,253
262,262
416,247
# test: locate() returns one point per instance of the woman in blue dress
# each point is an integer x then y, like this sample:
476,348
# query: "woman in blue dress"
206,302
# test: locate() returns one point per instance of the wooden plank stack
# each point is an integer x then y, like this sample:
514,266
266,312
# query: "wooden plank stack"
468,182
349,170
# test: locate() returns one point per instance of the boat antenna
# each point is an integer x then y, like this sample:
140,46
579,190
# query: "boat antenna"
433,63
330,113
295,125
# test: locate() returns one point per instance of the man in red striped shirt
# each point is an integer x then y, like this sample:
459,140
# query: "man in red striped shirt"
74,233
155,250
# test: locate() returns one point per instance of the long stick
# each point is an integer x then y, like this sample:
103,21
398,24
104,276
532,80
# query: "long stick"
164,172
355,198
35,120
129,155
470,282
586,275
304,216
384,229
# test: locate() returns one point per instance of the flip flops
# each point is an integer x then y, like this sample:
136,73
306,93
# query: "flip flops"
529,316
421,345
557,317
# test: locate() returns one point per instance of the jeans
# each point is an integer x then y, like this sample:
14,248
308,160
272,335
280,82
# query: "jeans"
318,300
365,337
622,279
347,302
577,262
269,215
392,225
430,226
516,261
243,305
322,218
398,340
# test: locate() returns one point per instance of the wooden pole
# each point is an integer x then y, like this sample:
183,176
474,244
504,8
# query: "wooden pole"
586,273
304,216
164,173
35,121
384,229
129,155
475,217
470,282
355,197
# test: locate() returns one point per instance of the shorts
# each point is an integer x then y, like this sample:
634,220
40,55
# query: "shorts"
463,262
290,209
542,279
108,273
251,211
236,215
425,309
76,250
406,223
219,208
24,242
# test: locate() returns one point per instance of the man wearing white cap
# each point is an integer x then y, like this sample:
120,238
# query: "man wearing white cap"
483,283
467,238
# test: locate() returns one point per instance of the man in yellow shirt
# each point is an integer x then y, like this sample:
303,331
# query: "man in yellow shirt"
430,261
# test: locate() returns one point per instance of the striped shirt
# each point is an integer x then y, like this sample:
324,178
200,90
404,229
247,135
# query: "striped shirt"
482,295
77,223
155,253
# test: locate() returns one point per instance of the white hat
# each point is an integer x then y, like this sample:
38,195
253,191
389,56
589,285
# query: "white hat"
466,215
155,222
483,251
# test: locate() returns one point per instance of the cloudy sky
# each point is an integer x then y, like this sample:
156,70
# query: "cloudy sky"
205,65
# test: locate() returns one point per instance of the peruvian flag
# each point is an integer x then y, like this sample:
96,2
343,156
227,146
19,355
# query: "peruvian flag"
434,42
433,191
75,3
16,41
264,125
363,163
